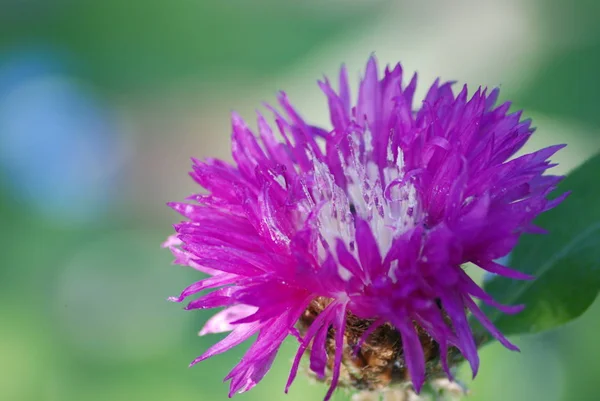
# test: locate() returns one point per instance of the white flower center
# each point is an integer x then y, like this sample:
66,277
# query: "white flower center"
389,204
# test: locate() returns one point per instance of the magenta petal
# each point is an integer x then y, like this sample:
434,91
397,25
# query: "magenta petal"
340,327
489,325
222,321
466,343
321,321
239,334
368,251
215,299
348,261
212,282
501,270
414,356
251,377
369,97
318,353
471,288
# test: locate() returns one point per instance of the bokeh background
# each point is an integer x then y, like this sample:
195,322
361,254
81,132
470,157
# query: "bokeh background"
103,102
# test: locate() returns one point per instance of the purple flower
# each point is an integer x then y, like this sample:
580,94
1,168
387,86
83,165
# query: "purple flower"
352,238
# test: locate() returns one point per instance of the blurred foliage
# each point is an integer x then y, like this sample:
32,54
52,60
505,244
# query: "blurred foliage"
150,43
567,86
83,305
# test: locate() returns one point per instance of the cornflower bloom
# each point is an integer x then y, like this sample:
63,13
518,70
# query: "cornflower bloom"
352,238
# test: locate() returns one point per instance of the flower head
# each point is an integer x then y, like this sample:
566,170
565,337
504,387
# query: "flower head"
351,238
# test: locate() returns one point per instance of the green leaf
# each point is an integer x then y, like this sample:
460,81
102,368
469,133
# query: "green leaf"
566,262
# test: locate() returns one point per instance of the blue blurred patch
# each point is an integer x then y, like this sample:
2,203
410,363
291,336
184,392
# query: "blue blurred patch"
59,145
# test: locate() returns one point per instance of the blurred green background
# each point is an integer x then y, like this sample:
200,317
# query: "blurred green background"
103,102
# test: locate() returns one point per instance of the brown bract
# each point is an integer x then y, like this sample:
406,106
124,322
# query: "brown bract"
379,363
